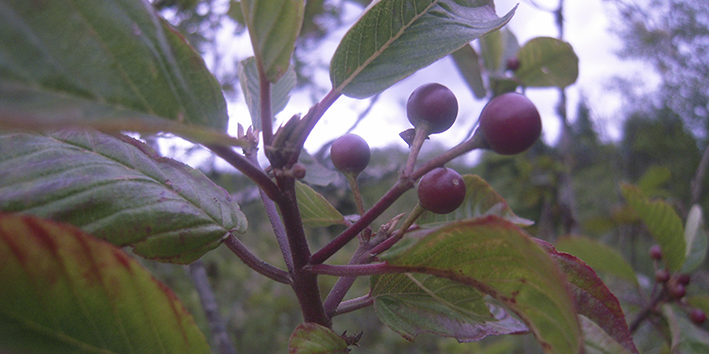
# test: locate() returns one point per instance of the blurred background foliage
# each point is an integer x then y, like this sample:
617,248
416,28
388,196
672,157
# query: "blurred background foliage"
663,144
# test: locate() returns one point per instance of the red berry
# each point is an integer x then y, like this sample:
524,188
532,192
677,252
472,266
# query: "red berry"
512,64
350,153
662,276
434,105
676,290
510,123
441,190
683,279
655,252
697,316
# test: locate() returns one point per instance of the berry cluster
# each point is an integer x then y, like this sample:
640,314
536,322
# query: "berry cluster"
675,285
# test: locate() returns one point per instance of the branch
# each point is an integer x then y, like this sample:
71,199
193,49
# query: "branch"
220,336
353,305
253,172
305,284
360,256
256,263
310,120
355,270
276,224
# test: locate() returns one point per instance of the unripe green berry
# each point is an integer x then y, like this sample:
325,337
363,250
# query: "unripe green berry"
433,105
510,123
441,190
350,154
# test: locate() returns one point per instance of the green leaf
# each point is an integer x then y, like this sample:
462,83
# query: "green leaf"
118,189
595,302
65,291
597,341
700,301
496,48
315,210
273,26
480,200
411,304
547,62
597,255
695,238
396,38
687,338
109,65
468,64
662,221
250,86
653,179
499,259
312,338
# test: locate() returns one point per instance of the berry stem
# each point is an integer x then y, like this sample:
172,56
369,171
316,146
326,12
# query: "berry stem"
403,184
354,186
420,136
418,210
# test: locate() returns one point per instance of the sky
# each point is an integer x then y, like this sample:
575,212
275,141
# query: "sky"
587,28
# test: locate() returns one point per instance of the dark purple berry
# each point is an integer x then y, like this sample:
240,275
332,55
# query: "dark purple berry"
697,316
350,153
510,123
512,64
683,279
662,276
655,252
441,190
433,105
676,290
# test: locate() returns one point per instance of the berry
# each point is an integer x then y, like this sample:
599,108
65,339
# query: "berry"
683,279
441,190
676,290
512,64
510,123
697,316
433,105
350,153
662,276
655,252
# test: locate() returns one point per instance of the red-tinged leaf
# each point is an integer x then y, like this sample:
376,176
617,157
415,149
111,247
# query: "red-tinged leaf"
312,338
65,291
662,221
597,341
498,259
593,299
599,256
411,304
480,200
